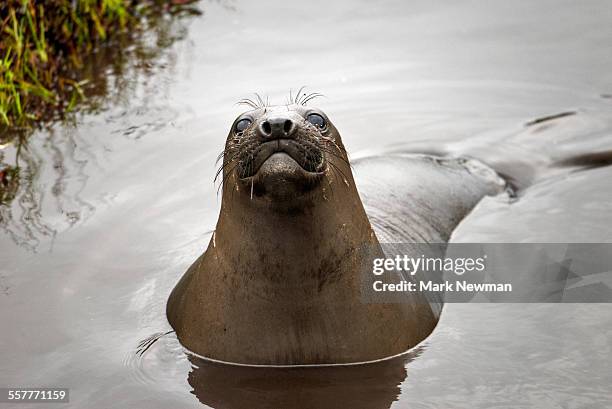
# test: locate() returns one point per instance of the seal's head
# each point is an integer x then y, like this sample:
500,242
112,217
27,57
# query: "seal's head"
281,153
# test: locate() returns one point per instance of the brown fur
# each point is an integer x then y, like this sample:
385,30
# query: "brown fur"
280,280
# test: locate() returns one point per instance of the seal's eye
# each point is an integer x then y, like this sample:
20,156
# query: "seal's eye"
242,125
317,120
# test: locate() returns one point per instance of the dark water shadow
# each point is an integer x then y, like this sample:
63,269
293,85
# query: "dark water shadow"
369,386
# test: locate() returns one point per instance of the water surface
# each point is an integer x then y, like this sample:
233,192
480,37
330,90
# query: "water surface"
118,204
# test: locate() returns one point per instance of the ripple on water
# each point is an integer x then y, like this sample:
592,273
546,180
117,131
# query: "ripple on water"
159,361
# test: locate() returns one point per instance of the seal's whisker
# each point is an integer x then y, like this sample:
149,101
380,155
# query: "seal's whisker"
231,161
298,95
237,151
230,150
246,156
224,166
221,155
310,97
249,102
262,103
344,178
338,155
335,155
224,178
329,140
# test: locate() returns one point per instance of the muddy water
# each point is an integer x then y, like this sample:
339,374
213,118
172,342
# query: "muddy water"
121,202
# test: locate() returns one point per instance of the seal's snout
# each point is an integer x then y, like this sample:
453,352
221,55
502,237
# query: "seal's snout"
281,132
276,128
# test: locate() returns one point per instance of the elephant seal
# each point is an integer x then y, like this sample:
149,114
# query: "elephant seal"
279,283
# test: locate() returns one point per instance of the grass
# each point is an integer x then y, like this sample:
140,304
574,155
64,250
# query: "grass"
60,57
43,44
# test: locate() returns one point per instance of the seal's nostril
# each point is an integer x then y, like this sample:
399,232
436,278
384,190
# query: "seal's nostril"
276,128
287,126
266,128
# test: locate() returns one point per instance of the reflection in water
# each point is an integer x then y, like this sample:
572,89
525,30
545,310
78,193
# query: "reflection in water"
374,386
62,157
21,200
160,360
116,73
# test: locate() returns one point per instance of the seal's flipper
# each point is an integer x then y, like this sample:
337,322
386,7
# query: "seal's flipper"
421,198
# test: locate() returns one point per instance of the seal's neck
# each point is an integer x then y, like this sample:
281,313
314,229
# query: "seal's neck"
305,244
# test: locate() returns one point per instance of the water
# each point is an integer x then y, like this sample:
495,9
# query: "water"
118,204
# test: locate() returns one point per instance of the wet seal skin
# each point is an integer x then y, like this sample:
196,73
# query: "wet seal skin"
279,283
